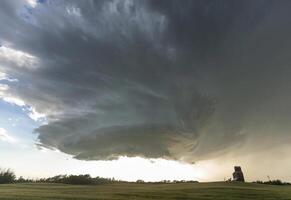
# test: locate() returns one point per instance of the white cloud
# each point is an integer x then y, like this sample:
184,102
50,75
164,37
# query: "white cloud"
73,11
32,113
6,77
14,100
32,3
5,96
17,58
3,76
4,136
36,116
3,89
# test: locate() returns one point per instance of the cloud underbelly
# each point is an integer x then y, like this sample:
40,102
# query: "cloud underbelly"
127,130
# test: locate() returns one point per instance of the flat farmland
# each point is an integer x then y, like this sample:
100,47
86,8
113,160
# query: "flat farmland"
215,191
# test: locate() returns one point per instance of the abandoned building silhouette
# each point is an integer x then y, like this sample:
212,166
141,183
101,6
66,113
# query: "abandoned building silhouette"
238,174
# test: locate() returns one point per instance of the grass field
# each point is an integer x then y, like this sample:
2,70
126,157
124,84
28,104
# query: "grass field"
215,191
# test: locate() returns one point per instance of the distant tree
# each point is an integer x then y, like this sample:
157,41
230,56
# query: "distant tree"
25,180
7,176
275,182
272,182
77,180
139,181
21,180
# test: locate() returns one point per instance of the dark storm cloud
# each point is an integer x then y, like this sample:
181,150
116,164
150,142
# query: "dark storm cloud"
180,80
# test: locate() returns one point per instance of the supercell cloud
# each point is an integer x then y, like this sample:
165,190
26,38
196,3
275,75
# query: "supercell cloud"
182,80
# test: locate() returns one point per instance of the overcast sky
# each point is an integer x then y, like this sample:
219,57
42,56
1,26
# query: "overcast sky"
183,88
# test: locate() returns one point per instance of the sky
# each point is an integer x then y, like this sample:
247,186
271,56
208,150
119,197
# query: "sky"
146,89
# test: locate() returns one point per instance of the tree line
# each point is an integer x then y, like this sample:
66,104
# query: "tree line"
8,176
273,182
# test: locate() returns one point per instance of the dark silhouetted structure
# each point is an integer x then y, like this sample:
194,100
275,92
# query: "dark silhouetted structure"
238,174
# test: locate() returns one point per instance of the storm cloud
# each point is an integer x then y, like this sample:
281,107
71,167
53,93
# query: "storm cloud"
182,80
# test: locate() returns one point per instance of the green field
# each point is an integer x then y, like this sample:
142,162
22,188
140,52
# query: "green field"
231,191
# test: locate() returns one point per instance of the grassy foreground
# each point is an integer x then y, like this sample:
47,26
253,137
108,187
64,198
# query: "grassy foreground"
216,191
